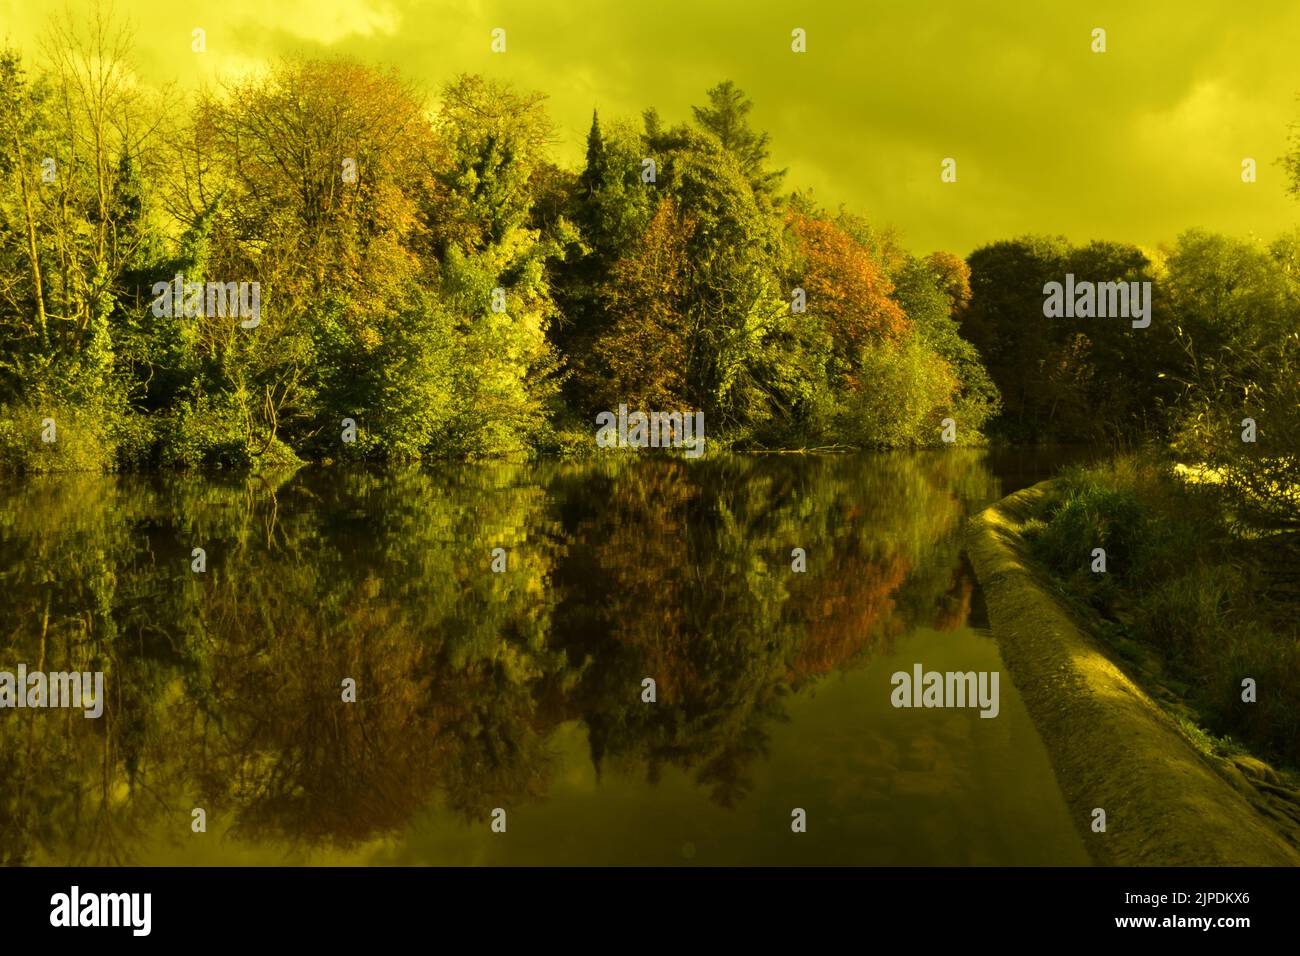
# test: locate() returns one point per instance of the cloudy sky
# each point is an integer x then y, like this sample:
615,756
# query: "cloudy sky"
1137,143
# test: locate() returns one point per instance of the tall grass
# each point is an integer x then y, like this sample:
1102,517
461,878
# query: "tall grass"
1186,582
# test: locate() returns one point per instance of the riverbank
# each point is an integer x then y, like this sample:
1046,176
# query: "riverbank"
1112,747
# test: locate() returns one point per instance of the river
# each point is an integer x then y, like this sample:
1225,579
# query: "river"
521,690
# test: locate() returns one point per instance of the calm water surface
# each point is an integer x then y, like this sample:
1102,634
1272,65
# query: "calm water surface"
520,690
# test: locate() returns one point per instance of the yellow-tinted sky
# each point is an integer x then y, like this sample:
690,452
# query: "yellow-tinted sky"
1137,143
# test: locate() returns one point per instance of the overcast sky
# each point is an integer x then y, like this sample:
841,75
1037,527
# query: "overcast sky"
1136,144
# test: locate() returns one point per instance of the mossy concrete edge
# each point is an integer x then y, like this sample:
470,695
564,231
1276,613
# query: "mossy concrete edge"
1110,745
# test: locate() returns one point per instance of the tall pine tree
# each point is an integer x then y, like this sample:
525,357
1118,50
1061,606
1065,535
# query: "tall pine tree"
727,117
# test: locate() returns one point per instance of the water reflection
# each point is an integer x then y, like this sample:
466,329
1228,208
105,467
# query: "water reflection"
520,690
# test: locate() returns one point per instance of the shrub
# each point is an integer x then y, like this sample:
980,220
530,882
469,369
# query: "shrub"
899,399
208,432
82,440
1184,582
1094,516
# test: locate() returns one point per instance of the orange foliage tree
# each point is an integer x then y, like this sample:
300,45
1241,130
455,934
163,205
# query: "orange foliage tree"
847,288
641,358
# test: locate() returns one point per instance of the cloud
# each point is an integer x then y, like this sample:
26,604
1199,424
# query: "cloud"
1135,144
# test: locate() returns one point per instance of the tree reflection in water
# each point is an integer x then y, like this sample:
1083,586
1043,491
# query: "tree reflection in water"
225,687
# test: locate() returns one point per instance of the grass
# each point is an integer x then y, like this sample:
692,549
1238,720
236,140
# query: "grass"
1184,583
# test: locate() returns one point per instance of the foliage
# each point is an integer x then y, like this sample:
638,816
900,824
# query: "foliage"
1214,604
1238,309
436,278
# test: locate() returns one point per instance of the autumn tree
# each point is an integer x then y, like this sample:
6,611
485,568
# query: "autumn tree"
491,140
26,322
640,360
79,132
954,279
846,289
492,267
315,191
930,292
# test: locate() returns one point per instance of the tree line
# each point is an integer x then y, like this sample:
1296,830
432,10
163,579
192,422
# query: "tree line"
435,276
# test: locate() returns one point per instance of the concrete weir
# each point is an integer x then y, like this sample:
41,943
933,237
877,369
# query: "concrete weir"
1111,746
